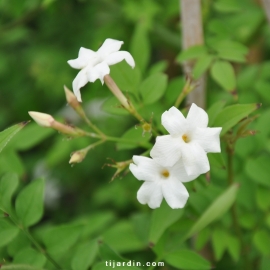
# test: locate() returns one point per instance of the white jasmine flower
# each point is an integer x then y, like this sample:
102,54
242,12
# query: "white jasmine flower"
161,181
190,139
95,65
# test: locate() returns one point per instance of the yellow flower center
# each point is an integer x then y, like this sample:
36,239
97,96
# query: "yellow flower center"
165,173
185,138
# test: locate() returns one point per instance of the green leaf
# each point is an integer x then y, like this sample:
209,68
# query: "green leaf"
202,64
162,218
141,226
7,232
8,184
60,238
215,210
248,221
30,256
126,78
227,6
223,73
117,236
18,243
159,67
134,135
10,161
112,105
258,170
231,50
234,247
214,110
191,53
202,238
261,241
7,134
187,259
95,223
29,203
265,263
216,159
175,87
262,87
25,139
231,115
219,243
107,253
153,88
84,256
140,47
262,198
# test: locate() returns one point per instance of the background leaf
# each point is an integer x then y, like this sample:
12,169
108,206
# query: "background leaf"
153,88
222,72
215,210
85,255
8,184
7,134
161,219
29,203
187,259
231,115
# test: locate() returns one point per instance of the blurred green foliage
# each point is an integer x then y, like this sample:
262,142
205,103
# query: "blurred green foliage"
88,220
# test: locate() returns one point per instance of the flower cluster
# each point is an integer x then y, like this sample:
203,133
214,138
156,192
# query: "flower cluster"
175,159
178,157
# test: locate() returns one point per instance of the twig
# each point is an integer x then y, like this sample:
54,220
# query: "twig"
266,6
192,34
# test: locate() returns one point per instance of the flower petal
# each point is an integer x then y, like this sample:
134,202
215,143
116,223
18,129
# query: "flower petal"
85,55
98,72
79,81
208,139
174,121
178,171
166,151
194,158
197,116
175,193
150,193
144,168
117,57
109,46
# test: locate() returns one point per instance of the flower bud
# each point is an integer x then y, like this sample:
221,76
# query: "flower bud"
71,98
77,156
42,119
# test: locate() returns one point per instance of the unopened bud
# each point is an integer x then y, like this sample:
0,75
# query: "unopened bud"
42,119
71,98
77,157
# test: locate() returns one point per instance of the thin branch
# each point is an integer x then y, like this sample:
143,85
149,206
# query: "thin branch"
192,34
266,6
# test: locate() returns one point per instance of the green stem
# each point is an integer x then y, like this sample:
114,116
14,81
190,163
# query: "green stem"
186,90
121,140
35,243
121,97
89,123
230,179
